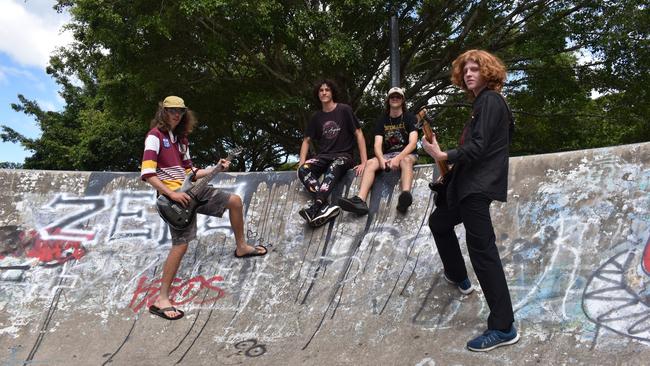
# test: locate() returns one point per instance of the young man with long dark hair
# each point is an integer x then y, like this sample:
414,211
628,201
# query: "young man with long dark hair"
165,164
336,129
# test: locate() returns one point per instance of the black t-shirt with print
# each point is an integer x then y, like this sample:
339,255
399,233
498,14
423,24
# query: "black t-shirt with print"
395,131
334,131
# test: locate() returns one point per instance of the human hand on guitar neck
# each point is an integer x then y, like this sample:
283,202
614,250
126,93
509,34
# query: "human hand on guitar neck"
429,142
182,197
433,149
223,163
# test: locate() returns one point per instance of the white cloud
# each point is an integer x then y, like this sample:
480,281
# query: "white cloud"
7,72
31,30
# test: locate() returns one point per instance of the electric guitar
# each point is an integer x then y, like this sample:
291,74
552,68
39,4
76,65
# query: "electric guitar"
179,217
440,184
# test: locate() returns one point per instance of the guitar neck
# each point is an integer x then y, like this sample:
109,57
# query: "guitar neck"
428,134
201,183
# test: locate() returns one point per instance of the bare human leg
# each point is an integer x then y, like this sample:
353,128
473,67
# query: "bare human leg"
406,165
236,213
170,268
368,178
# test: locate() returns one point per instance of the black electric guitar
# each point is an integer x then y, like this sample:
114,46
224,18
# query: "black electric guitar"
444,168
179,217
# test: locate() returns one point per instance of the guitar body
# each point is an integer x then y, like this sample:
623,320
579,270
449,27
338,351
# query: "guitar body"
439,186
179,217
174,214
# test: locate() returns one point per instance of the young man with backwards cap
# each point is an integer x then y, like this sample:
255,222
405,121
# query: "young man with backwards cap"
336,129
165,164
396,138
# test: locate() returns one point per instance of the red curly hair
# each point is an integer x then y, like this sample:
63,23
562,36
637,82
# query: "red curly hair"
492,69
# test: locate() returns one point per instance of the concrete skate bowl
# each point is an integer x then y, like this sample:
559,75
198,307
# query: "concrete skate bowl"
81,256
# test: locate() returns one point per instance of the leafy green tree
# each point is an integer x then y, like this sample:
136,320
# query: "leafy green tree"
247,69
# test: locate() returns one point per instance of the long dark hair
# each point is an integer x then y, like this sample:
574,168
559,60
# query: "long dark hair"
333,87
184,127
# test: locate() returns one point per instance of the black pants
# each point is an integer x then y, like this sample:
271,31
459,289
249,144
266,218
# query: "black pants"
474,212
334,169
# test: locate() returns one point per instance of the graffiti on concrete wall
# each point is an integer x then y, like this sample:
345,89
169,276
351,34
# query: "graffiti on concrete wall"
646,258
105,253
113,244
36,250
617,295
181,292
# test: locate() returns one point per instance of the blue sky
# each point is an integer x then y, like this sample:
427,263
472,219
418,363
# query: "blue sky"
30,31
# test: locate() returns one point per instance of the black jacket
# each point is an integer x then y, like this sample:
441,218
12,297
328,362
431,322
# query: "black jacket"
481,161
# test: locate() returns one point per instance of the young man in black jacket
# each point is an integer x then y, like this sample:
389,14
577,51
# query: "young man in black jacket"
479,176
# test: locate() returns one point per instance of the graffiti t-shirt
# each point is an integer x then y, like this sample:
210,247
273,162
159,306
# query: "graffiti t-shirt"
334,130
395,131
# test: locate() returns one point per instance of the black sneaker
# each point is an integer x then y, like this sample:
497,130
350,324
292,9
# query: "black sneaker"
354,204
325,214
404,201
309,212
492,338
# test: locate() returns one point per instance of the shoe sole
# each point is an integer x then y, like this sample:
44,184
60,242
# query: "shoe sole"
507,343
350,207
466,292
320,221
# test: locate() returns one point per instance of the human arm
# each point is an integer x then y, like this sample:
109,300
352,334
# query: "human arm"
361,143
200,173
177,196
433,149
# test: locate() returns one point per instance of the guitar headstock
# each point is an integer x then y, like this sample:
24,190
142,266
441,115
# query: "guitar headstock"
422,117
234,152
424,122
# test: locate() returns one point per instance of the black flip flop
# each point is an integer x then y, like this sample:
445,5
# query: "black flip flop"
153,309
256,253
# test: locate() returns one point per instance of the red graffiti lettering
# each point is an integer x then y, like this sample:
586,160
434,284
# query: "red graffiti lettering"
49,252
180,292
57,251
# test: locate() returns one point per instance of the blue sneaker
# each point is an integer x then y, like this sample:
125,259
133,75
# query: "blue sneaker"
491,339
465,286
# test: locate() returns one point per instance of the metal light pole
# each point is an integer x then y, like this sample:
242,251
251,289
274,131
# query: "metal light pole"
394,49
